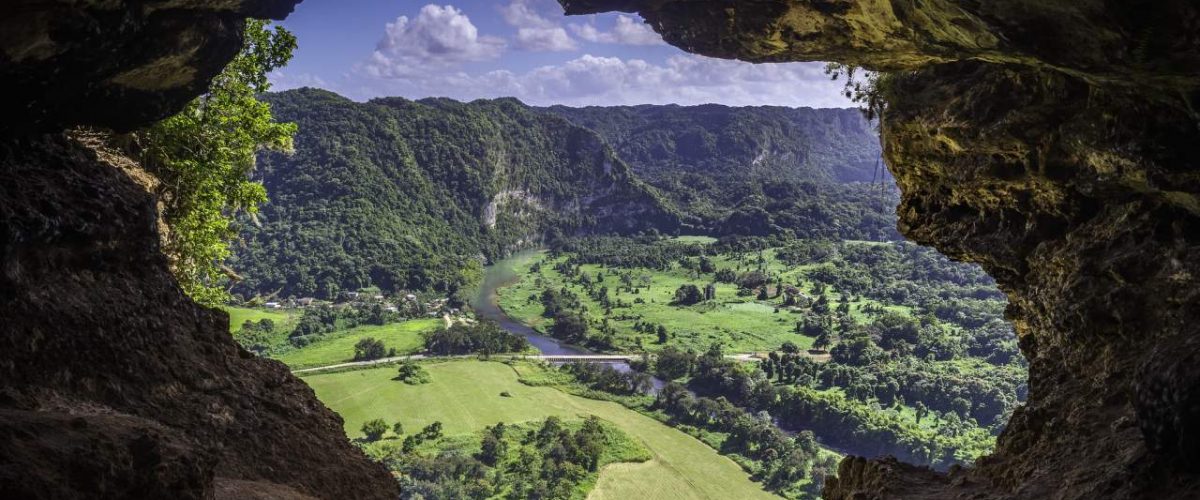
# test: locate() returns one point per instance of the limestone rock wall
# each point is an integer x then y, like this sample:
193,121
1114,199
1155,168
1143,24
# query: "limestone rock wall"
113,384
1051,142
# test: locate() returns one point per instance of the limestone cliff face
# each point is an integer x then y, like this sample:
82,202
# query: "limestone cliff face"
1050,142
113,384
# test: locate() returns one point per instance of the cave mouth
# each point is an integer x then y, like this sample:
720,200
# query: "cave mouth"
1053,157
998,408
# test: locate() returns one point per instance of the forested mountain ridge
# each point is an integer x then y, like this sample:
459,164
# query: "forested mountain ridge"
415,195
756,142
411,194
755,170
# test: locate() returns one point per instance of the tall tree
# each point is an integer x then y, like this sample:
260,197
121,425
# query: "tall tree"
203,157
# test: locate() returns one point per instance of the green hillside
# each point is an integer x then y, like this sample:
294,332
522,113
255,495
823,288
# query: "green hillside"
755,170
411,195
416,195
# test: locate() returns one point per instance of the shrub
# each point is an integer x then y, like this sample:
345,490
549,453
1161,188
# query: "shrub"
374,429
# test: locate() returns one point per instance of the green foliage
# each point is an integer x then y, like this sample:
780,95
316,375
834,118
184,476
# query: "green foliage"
256,336
465,395
368,349
602,377
203,158
338,347
906,327
551,459
407,195
673,364
688,294
374,429
482,337
755,171
867,88
411,374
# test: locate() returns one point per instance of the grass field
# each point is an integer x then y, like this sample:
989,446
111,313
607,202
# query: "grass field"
740,323
284,322
338,347
465,397
239,315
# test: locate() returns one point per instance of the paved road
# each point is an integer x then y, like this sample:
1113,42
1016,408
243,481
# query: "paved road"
744,357
543,357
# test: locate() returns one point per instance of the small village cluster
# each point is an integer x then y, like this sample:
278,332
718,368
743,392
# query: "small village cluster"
407,304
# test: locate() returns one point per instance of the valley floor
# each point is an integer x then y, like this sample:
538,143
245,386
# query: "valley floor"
465,396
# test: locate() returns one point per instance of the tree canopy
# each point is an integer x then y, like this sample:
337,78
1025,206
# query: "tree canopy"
203,157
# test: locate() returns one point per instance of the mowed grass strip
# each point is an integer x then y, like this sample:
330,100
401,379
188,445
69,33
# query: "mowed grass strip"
465,396
338,347
239,315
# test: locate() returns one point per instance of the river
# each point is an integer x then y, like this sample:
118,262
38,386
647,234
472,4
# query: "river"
486,304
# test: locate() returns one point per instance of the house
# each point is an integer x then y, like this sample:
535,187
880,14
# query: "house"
272,305
306,301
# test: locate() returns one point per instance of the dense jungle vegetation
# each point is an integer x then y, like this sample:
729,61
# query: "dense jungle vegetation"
416,195
412,195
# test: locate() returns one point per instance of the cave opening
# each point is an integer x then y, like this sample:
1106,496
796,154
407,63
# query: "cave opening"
1046,143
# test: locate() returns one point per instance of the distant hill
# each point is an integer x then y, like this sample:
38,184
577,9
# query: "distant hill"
412,194
406,194
802,168
760,142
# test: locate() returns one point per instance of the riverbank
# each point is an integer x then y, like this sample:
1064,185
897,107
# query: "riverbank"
486,303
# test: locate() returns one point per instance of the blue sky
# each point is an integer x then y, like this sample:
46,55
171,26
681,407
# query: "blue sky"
469,49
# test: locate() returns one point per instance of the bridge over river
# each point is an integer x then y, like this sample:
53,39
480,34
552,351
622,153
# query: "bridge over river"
552,358
486,305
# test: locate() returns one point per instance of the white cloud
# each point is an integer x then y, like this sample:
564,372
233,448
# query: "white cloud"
534,31
438,37
545,39
592,80
626,31
520,13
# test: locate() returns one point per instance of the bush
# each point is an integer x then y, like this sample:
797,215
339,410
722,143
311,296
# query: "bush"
412,374
368,349
484,337
688,295
374,429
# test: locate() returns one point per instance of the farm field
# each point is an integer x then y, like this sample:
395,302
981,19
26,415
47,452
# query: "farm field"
465,396
239,315
338,347
740,323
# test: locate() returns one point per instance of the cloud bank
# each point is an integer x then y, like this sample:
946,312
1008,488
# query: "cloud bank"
440,53
439,37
